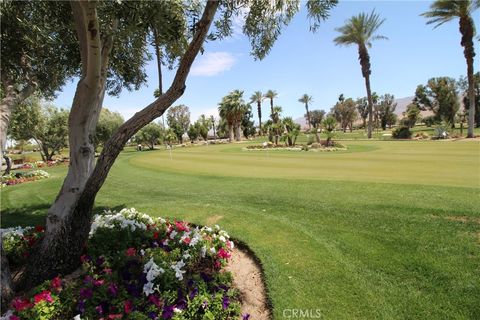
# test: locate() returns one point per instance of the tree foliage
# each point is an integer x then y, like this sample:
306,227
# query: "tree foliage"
232,108
45,124
345,112
108,123
151,135
386,111
440,96
178,119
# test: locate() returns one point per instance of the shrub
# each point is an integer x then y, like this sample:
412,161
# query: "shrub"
401,133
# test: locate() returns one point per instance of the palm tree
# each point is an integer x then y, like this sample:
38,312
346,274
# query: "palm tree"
306,99
257,97
360,30
232,108
271,94
442,11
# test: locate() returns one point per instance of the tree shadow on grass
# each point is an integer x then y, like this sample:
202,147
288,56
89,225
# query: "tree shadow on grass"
35,215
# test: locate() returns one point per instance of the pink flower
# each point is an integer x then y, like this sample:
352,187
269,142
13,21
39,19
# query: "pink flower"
20,304
115,316
187,240
107,270
56,283
181,226
131,252
14,317
224,254
98,283
43,296
128,306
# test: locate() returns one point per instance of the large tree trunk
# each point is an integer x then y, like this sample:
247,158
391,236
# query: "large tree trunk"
238,134
69,218
6,280
467,31
230,133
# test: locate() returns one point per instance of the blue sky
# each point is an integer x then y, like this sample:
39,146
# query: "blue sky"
304,62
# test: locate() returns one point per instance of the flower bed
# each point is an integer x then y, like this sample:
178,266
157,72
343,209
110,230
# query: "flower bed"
21,177
134,267
299,147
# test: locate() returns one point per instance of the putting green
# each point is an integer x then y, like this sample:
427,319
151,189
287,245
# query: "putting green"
385,230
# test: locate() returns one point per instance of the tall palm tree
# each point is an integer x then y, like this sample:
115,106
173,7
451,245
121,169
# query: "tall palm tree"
257,97
271,94
361,30
442,11
306,99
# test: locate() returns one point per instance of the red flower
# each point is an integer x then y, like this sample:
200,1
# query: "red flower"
14,317
155,300
224,254
187,240
115,316
130,252
56,283
217,264
181,226
43,296
20,304
128,306
155,235
107,271
39,228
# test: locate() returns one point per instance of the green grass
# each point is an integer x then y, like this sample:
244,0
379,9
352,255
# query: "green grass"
361,234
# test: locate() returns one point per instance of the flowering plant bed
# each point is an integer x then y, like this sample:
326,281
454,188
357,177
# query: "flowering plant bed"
299,147
134,267
21,177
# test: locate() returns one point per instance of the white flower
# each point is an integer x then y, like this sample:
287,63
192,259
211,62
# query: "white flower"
7,315
142,252
173,234
148,288
177,310
77,317
212,250
203,251
186,255
178,272
222,238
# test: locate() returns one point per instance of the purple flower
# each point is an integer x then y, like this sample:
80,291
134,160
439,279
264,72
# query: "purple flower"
152,315
167,312
181,304
193,293
245,316
100,260
205,277
99,309
225,302
86,293
81,306
113,289
204,304
87,279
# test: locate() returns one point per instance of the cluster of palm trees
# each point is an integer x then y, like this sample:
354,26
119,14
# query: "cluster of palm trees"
362,29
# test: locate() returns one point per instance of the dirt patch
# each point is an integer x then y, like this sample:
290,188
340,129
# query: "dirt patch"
247,278
463,219
213,220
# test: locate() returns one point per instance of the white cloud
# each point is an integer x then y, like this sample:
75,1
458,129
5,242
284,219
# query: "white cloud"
213,63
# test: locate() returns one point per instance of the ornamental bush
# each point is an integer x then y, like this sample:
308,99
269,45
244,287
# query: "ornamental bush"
401,133
134,267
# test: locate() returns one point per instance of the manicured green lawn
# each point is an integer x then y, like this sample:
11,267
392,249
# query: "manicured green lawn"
369,233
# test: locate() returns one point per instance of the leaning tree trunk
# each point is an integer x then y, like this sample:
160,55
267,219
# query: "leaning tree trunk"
69,218
467,31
